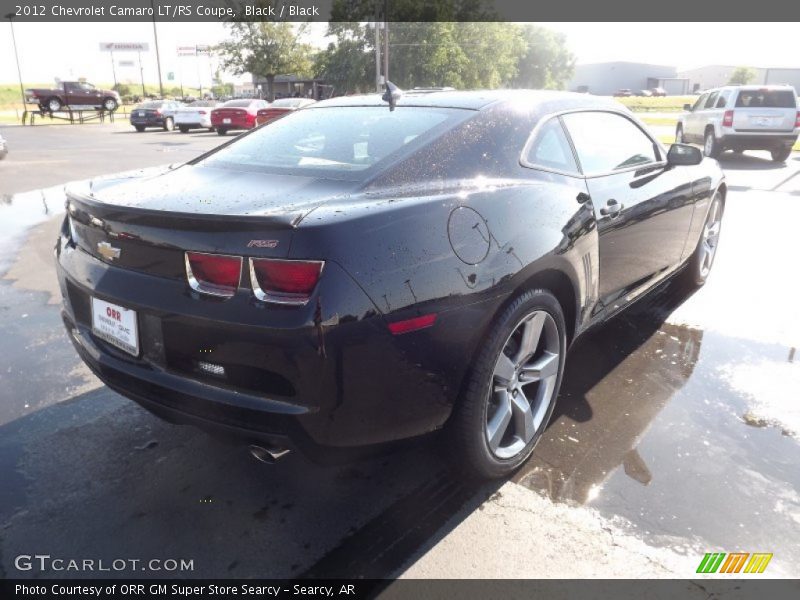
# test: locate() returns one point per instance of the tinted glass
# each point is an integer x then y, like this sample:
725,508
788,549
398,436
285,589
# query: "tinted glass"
722,101
766,99
154,104
607,142
700,101
333,140
711,100
551,149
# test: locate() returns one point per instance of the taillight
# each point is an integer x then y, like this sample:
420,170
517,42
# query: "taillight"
727,119
158,112
284,281
797,119
214,274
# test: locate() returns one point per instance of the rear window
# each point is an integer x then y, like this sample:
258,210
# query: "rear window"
237,103
156,104
766,99
203,103
334,140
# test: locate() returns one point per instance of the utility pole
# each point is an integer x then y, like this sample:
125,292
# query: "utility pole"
141,74
377,55
386,40
10,17
158,54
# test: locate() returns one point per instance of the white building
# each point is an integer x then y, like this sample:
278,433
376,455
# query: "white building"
711,76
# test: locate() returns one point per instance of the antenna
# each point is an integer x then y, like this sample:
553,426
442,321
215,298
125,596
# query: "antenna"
392,94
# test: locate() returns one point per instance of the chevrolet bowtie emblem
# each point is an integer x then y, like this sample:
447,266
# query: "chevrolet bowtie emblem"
107,251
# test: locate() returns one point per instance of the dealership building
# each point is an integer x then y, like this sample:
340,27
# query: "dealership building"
711,76
606,78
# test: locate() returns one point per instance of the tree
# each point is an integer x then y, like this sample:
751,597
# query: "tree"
348,64
546,63
742,76
265,50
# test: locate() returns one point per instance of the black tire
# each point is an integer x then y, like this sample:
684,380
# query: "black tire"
210,130
221,131
468,426
782,154
711,146
679,135
694,275
110,104
169,124
139,128
184,129
53,104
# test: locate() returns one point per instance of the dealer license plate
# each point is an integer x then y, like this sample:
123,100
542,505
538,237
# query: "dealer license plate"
116,325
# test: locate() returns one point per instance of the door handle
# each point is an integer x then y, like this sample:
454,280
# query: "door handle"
611,209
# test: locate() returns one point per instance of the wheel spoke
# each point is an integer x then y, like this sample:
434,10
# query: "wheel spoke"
498,424
531,332
541,368
523,416
503,371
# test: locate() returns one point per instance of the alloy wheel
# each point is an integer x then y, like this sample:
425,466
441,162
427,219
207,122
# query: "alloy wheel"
523,384
710,238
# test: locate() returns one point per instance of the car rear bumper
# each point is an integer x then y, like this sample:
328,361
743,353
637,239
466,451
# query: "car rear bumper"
148,121
334,377
758,140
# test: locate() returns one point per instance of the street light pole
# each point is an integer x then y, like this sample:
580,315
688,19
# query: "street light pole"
10,17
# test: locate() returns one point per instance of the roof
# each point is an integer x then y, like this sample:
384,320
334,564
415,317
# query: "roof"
472,100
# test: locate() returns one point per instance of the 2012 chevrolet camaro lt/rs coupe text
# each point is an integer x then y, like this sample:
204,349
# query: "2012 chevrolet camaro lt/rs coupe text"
374,268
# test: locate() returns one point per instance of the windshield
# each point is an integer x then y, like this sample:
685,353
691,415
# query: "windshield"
765,99
334,140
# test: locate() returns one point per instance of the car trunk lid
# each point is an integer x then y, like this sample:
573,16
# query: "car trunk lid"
148,223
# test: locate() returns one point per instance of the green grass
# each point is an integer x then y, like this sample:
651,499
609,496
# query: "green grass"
661,104
10,95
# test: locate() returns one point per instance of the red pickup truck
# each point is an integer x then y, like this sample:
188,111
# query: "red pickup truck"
73,94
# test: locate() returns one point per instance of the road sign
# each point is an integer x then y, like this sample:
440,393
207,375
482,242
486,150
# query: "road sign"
126,63
171,76
124,47
187,50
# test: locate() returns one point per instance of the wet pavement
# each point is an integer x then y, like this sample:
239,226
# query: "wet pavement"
677,423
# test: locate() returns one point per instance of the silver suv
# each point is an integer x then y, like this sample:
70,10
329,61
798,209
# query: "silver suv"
743,117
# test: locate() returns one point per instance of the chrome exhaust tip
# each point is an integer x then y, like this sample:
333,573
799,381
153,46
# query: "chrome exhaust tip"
268,455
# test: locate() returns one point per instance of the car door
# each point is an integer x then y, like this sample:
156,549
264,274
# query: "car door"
643,207
693,129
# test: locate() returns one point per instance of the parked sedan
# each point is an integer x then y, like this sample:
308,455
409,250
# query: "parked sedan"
155,113
3,148
352,274
280,108
623,93
236,114
196,115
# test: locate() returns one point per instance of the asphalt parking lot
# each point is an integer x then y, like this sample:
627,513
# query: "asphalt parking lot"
677,430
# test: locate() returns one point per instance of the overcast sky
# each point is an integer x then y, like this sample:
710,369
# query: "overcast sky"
684,45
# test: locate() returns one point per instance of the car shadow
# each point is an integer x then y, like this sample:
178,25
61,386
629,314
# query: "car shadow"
748,162
75,471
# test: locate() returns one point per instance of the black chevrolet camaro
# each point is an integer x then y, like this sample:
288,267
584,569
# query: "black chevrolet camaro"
369,269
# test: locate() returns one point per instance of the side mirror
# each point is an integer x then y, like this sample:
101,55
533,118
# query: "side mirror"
684,155
687,107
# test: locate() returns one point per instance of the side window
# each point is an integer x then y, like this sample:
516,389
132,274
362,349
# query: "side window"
607,142
722,101
700,101
712,99
72,87
551,149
